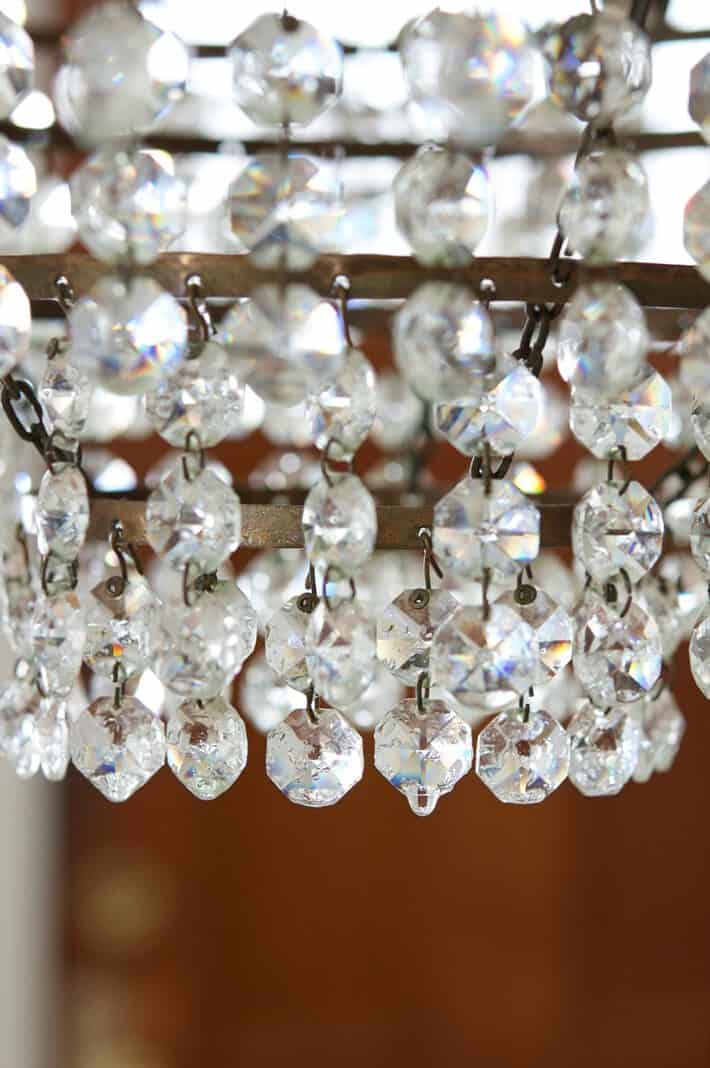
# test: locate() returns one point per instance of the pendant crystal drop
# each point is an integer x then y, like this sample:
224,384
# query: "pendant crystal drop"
285,71
553,632
193,520
406,628
699,100
105,93
287,342
476,531
58,635
340,524
51,738
18,184
385,691
201,647
700,654
500,420
284,210
602,339
662,600
17,64
128,204
700,535
314,763
344,410
202,394
207,746
15,322
399,413
121,627
604,749
521,762
423,753
285,643
484,659
128,334
631,423
442,204
62,513
598,66
696,230
65,393
443,342
617,658
693,369
604,213
617,527
117,749
664,724
341,651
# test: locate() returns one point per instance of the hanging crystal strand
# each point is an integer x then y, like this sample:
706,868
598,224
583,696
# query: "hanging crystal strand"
699,650
18,178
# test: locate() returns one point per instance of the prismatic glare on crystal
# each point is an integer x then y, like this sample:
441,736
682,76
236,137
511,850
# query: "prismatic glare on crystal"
617,527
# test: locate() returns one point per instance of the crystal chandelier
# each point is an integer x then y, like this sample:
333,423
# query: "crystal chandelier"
384,601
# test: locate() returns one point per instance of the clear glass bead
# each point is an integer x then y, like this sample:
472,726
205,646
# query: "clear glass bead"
341,651
51,738
207,746
18,699
602,339
406,628
442,204
285,642
598,66
522,762
423,753
339,523
616,527
693,368
443,341
699,100
17,64
399,415
499,420
285,71
270,578
58,635
484,659
696,231
604,749
664,602
126,334
202,646
700,654
284,209
202,394
103,93
65,393
478,530
384,692
193,520
664,723
631,423
15,322
288,342
344,410
117,749
49,226
62,512
617,657
553,632
700,535
314,763
604,213
121,627
128,203
264,700
18,184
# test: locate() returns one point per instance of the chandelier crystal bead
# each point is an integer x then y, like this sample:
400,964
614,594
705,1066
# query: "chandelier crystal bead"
553,631
65,392
629,424
339,523
602,339
499,420
58,636
18,185
699,99
15,322
314,762
604,749
342,413
700,654
696,230
118,749
122,620
617,651
17,64
341,651
617,527
62,513
206,746
406,628
285,644
522,761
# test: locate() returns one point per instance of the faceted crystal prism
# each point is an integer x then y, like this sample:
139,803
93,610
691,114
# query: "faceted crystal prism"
15,322
314,763
17,64
128,334
101,93
700,654
121,628
699,101
604,213
62,513
664,725
423,753
693,370
700,536
442,203
340,523
193,520
443,342
51,738
406,628
631,423
696,229
617,658
384,692
602,339
399,413
341,651
478,531
285,71
287,342
500,420
128,204
344,410
484,659
65,393
284,210
663,600
117,749
285,644
20,698
203,394
553,632
207,746
18,184
617,527
598,66
58,635
604,749
522,762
